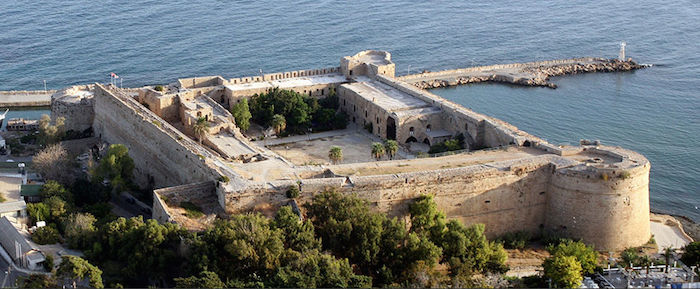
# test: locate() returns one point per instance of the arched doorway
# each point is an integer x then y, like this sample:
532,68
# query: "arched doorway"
390,128
426,141
411,139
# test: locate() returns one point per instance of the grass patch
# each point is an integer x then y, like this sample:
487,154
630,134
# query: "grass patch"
192,211
2,198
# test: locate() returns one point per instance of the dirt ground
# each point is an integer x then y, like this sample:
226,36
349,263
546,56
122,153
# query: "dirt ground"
525,262
356,149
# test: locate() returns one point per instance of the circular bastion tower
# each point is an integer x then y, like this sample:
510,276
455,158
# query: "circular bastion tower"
76,105
604,200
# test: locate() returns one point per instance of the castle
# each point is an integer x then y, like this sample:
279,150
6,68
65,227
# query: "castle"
506,179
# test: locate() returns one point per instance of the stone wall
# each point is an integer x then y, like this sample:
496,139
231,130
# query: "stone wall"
283,75
165,156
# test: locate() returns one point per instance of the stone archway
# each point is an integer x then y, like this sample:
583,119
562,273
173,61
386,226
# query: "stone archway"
426,141
390,128
411,139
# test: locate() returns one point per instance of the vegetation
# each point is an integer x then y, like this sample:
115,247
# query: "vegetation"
391,147
293,192
279,123
115,166
159,88
241,112
201,128
446,146
51,133
46,235
335,154
300,112
77,269
80,230
378,150
191,210
691,257
2,198
37,281
569,261
565,271
53,163
631,257
515,240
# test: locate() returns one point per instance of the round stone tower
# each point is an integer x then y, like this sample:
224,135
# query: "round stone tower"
604,201
76,105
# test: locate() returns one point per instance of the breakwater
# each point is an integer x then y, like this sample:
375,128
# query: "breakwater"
527,74
21,98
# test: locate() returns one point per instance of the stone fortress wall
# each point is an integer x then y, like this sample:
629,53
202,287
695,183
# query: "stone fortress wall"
75,104
596,193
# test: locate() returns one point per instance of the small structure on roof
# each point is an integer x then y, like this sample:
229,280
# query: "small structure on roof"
18,248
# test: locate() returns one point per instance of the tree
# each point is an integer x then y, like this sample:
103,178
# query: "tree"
38,212
116,166
54,189
298,235
200,128
241,112
77,269
279,123
565,271
48,133
335,154
46,235
377,150
57,208
691,257
206,279
391,147
313,269
585,255
53,164
80,230
37,281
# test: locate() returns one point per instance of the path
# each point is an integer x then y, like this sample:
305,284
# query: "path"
25,98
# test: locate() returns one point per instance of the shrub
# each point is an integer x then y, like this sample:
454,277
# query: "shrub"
624,175
446,146
293,192
224,179
604,176
157,123
48,263
46,235
2,198
191,210
159,88
515,240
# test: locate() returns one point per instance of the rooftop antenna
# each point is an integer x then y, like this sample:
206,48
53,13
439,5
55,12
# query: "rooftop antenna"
622,50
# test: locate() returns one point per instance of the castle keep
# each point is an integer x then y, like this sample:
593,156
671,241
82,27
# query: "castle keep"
506,178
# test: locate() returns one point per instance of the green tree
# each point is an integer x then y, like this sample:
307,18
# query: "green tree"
241,112
335,154
57,208
51,133
77,269
46,235
54,189
200,128
116,166
298,235
691,257
80,230
279,123
38,212
313,269
585,255
206,279
391,147
565,271
377,150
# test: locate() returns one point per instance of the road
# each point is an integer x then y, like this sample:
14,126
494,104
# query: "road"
5,279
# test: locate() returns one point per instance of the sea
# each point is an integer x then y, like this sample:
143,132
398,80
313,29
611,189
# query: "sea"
653,111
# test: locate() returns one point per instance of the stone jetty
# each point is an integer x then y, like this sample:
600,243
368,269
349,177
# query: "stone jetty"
527,74
20,98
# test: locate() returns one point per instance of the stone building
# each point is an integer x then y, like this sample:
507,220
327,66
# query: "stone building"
75,105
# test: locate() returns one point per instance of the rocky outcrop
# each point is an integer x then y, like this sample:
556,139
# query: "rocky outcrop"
536,75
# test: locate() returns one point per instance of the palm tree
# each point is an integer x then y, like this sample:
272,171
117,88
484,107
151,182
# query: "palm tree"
201,128
377,150
278,123
391,146
335,154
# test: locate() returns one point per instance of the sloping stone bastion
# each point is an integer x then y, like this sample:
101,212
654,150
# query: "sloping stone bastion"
507,179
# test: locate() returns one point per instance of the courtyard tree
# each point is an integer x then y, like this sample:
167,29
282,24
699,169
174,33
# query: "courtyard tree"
565,271
378,150
116,166
51,133
200,128
77,269
335,154
391,147
53,163
279,123
691,257
241,112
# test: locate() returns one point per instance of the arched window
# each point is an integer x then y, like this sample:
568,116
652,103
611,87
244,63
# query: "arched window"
428,128
410,131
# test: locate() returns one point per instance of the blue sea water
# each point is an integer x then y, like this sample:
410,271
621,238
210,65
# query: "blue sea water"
653,111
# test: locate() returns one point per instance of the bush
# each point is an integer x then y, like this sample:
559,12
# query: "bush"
224,179
159,88
293,192
48,263
191,210
515,240
46,235
446,146
2,198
